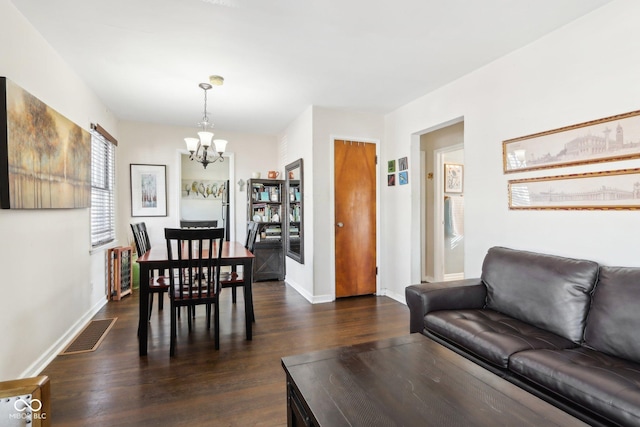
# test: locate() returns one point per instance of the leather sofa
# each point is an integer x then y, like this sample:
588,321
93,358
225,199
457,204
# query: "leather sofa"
566,330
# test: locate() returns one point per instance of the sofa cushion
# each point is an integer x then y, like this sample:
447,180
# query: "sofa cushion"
608,385
490,335
550,292
613,324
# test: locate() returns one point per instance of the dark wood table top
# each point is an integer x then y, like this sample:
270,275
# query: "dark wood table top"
231,251
411,381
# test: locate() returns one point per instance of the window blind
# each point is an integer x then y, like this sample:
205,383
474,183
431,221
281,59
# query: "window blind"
103,145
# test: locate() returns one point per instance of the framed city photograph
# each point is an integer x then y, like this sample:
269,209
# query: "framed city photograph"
453,178
604,140
618,190
148,190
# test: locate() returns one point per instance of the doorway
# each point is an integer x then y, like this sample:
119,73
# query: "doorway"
442,212
355,192
449,213
207,194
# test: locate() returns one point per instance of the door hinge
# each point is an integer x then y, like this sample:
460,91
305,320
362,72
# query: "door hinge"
376,159
376,270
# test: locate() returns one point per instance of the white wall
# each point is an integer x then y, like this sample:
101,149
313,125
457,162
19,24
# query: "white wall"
583,71
51,284
159,144
296,142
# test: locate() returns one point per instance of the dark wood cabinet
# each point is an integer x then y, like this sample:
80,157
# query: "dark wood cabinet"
264,206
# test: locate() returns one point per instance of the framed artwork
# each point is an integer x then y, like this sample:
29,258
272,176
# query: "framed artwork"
453,178
391,166
148,190
403,164
199,189
591,191
45,158
403,177
391,180
604,140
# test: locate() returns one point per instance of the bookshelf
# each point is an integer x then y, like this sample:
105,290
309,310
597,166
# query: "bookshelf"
265,206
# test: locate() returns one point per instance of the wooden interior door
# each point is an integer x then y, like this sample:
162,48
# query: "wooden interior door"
355,215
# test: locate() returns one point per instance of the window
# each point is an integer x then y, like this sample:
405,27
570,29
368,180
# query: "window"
103,229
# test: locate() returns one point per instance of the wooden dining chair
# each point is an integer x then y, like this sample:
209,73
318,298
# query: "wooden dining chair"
233,279
196,253
158,284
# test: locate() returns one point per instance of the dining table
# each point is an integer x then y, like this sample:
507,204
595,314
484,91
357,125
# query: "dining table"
234,254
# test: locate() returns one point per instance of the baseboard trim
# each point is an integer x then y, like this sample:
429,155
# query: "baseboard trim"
306,295
56,348
395,295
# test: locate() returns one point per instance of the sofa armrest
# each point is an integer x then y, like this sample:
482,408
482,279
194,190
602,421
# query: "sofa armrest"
454,295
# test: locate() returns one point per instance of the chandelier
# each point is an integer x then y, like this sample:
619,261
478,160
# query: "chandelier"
200,148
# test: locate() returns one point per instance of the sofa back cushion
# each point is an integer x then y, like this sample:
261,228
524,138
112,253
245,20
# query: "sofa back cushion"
550,292
613,324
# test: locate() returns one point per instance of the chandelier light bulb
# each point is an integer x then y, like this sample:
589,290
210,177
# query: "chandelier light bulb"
221,145
192,144
205,138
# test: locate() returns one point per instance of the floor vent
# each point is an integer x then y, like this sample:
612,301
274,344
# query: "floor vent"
90,337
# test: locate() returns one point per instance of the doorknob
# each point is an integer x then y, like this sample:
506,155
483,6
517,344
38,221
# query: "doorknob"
340,224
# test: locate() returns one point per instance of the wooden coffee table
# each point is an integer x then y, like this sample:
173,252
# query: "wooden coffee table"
406,381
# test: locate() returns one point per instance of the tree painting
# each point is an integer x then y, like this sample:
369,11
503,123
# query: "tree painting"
49,157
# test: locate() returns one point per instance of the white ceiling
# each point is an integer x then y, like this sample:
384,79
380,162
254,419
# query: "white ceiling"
145,58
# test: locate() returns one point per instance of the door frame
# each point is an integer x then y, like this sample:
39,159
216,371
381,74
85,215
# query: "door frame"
228,157
332,206
438,206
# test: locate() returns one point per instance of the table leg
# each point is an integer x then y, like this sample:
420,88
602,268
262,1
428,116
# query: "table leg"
143,319
247,266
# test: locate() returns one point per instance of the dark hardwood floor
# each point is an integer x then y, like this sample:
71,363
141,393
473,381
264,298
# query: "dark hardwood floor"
242,384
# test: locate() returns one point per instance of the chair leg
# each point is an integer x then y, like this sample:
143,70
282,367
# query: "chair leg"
233,294
172,346
150,304
208,316
161,300
189,308
216,325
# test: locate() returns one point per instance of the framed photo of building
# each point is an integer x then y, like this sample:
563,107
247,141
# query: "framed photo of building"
611,190
604,140
148,190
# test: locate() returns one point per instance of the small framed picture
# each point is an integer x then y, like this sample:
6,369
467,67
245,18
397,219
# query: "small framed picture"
391,166
403,177
148,190
403,164
453,178
391,180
